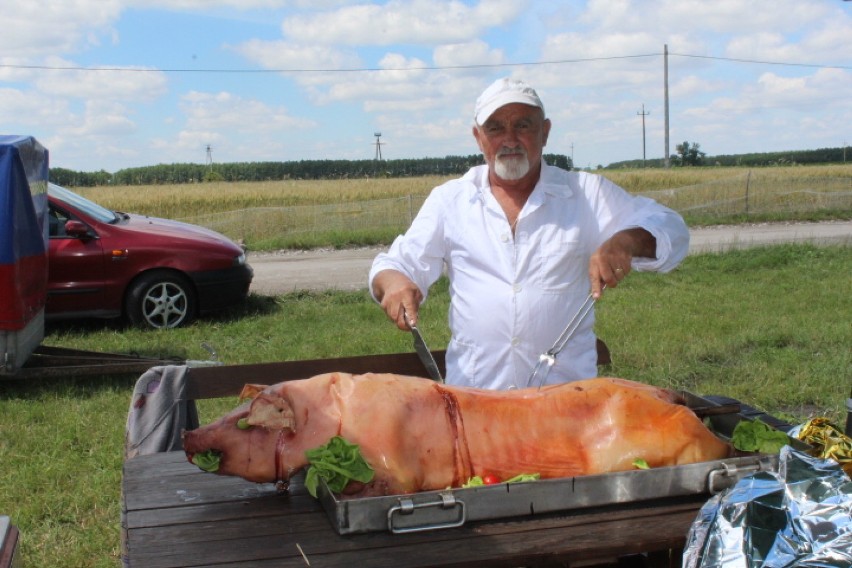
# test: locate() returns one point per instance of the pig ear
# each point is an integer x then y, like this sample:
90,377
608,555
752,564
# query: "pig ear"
271,411
250,391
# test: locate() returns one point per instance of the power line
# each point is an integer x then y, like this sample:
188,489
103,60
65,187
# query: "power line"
349,70
761,62
421,68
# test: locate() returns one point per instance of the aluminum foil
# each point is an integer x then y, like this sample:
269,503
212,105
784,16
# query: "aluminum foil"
799,517
828,441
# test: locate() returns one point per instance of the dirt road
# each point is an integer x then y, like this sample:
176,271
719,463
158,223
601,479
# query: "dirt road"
286,271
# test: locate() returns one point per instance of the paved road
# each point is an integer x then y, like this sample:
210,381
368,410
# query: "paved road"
286,271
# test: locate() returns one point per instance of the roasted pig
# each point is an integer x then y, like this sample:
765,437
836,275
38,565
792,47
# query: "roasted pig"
419,435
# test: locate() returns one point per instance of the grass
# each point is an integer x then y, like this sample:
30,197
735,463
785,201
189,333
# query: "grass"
766,326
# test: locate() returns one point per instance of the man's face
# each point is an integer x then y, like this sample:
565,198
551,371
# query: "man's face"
512,140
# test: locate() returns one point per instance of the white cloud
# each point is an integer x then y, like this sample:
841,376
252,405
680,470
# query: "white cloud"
475,52
38,29
287,55
116,83
19,108
229,112
825,86
424,22
691,86
412,69
242,5
820,45
104,120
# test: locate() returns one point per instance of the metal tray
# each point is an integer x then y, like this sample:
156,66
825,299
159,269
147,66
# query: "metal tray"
431,510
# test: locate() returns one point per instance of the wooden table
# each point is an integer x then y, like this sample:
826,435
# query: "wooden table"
174,515
9,537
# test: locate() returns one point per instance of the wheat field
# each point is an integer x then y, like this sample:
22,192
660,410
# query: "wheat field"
316,213
186,200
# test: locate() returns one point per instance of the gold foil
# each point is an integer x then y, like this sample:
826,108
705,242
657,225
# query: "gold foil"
828,441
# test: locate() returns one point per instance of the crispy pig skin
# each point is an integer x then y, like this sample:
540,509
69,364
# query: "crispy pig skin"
419,435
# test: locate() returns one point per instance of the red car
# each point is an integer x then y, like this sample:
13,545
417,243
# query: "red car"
154,272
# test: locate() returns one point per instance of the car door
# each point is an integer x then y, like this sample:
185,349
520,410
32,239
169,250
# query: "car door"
75,269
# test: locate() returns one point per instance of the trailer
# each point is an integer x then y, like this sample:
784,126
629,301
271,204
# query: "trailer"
24,246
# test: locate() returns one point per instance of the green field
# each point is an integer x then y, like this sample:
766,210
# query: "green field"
767,326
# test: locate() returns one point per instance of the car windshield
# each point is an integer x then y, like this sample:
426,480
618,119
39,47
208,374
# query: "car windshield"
90,208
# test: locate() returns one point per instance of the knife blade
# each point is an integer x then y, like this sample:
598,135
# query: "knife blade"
423,351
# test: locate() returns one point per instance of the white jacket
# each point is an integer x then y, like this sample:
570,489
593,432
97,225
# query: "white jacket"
512,297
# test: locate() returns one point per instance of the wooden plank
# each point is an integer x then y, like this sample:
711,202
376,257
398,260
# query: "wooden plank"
228,380
520,542
9,537
166,480
591,542
237,529
223,512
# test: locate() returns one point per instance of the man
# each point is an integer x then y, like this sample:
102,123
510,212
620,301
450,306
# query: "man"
524,244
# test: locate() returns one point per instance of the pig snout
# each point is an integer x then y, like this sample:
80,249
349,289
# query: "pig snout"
241,449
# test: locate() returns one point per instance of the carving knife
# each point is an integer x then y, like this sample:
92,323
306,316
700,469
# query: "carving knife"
423,351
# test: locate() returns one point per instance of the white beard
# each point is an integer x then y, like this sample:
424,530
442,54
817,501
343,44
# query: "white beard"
512,167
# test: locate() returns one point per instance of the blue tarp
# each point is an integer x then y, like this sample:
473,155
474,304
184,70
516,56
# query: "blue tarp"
23,229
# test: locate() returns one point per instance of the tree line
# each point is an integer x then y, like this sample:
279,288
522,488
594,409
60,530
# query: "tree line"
266,171
689,154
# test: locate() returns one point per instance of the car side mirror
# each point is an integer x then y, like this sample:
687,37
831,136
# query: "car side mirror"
76,229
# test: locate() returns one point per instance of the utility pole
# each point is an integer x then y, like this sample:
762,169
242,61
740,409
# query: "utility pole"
378,146
643,114
666,98
574,167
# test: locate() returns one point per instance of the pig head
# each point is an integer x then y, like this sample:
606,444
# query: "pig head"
265,439
402,426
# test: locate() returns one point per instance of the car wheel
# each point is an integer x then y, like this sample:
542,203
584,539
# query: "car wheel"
161,300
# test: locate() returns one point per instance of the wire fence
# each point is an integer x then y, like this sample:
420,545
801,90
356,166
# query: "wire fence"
748,194
744,194
270,223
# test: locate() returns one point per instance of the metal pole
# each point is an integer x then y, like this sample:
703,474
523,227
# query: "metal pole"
666,97
748,183
643,114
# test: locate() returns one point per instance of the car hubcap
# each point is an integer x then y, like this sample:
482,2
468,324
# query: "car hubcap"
165,305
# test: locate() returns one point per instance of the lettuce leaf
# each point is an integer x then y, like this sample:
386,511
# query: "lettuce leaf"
207,460
757,436
522,477
338,462
476,480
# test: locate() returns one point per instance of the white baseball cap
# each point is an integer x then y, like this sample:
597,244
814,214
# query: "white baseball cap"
503,92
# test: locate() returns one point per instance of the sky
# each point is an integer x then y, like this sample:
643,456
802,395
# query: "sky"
114,84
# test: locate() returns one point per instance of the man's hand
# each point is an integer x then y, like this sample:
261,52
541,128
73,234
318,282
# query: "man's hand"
610,264
395,292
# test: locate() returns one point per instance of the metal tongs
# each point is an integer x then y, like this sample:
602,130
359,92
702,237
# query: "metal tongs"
547,359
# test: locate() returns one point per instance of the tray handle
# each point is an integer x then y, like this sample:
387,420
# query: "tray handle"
727,475
446,501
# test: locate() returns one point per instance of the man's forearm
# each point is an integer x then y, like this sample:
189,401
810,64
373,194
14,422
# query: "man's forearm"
637,241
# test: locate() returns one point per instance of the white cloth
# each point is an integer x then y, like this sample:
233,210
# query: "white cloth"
159,412
511,298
